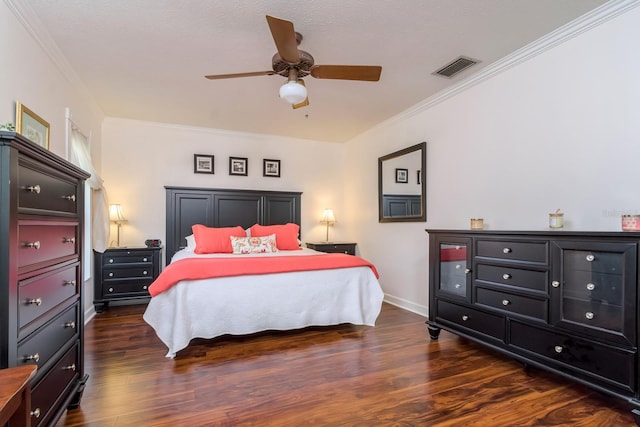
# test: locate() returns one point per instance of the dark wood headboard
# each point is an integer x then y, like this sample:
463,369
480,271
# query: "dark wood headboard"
215,207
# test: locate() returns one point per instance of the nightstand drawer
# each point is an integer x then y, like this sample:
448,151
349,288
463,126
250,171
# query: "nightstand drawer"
344,248
129,272
115,257
126,287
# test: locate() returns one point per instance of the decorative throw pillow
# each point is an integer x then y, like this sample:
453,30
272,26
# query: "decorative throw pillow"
211,240
286,234
254,245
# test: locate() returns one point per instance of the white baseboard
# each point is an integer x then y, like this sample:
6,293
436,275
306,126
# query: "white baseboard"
406,305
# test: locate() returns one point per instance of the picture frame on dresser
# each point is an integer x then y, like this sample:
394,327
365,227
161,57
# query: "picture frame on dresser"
32,126
203,163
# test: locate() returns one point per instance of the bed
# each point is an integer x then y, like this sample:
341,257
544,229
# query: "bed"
287,289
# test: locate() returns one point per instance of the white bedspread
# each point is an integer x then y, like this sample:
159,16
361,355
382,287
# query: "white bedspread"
247,304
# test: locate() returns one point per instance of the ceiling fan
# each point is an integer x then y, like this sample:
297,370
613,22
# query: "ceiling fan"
294,64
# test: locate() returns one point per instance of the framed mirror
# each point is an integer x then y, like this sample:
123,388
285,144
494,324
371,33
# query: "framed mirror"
402,186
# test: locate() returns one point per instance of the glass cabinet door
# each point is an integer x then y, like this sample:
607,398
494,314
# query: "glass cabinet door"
454,268
595,291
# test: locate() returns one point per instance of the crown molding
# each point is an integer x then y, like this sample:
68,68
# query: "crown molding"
584,23
32,23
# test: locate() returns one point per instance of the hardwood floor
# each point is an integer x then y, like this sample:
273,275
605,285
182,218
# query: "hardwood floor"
390,375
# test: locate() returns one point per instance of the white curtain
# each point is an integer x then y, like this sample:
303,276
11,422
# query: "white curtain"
81,157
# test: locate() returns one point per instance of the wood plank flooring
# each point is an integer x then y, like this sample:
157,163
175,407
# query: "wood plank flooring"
390,375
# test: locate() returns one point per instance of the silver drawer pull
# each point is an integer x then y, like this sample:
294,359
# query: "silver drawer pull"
467,270
33,189
147,259
110,260
34,357
68,240
555,283
71,324
36,301
506,302
506,276
110,274
71,198
590,258
35,413
110,289
144,287
558,349
457,286
34,245
71,367
506,250
145,272
69,283
589,315
465,317
590,286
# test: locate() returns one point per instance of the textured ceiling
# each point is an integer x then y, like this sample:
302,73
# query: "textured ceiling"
145,59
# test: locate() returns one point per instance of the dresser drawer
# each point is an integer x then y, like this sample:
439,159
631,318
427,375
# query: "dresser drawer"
523,305
54,386
603,362
39,294
594,314
468,318
117,257
529,279
129,272
43,189
42,243
603,262
594,286
48,340
126,287
533,252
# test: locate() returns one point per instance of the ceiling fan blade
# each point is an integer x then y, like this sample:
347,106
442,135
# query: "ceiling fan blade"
284,37
370,73
231,76
306,100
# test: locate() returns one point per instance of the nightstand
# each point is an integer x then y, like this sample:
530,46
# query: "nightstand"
334,247
124,274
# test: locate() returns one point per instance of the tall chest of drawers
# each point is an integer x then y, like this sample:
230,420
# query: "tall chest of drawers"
41,230
563,301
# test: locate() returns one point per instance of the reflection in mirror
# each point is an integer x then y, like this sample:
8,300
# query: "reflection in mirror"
402,185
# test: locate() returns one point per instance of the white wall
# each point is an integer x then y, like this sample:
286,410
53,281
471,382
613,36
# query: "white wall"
141,158
32,74
561,130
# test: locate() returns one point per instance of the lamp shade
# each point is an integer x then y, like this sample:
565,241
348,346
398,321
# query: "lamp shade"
328,217
116,214
293,92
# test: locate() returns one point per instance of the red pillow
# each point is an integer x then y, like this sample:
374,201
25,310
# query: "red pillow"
286,235
215,240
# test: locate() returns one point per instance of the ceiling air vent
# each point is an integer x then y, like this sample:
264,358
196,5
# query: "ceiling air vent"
456,66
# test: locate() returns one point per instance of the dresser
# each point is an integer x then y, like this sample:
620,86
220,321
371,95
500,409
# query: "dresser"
41,231
563,301
334,247
124,274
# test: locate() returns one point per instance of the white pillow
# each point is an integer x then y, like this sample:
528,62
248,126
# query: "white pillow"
191,242
254,245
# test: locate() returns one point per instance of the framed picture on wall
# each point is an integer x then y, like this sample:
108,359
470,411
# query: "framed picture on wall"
238,166
32,126
402,175
203,163
271,168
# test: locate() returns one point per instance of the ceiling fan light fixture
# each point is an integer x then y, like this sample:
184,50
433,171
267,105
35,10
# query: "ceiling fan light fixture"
293,92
